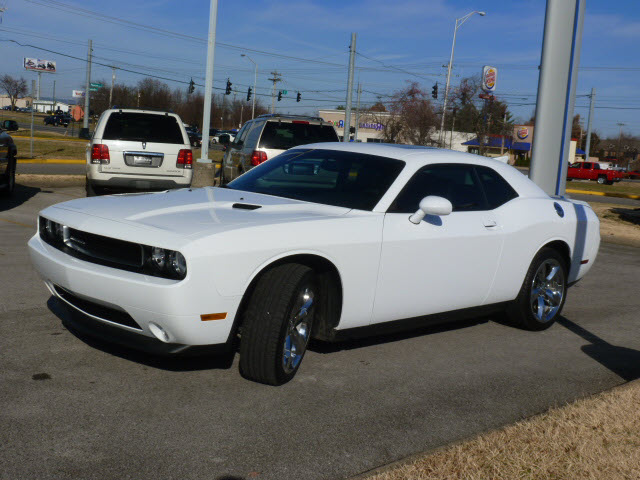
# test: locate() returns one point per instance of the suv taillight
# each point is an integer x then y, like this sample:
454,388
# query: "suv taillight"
185,159
257,157
100,154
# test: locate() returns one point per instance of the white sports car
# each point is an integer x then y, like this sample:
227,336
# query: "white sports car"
315,242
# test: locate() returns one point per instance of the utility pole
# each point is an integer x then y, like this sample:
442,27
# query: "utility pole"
33,92
587,147
208,83
54,95
84,133
453,122
355,137
620,124
275,79
39,83
347,111
113,80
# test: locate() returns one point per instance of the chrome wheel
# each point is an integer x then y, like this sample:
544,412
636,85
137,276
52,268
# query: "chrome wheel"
547,290
298,330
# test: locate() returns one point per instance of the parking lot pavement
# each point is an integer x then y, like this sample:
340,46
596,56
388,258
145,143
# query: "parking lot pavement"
73,408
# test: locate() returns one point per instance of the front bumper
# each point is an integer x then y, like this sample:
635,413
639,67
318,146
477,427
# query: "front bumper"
107,295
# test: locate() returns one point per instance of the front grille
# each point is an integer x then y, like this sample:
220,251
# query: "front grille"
100,311
94,248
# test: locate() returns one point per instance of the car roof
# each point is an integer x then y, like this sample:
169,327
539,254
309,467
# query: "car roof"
416,156
141,110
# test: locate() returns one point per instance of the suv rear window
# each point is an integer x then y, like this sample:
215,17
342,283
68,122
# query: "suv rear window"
143,127
282,136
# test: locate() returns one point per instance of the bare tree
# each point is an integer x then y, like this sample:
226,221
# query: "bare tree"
15,88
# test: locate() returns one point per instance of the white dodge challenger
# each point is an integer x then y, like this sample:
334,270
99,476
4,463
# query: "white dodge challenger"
319,241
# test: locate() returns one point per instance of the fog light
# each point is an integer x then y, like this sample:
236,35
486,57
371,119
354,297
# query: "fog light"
159,332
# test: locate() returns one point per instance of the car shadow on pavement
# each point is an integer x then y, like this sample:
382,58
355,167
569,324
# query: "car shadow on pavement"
180,362
374,335
20,195
624,362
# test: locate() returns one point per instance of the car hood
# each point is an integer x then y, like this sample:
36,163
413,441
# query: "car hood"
189,212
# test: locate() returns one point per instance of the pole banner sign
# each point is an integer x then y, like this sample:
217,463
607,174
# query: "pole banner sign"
489,78
39,65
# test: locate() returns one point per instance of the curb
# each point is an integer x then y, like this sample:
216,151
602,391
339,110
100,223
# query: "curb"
604,194
61,139
53,161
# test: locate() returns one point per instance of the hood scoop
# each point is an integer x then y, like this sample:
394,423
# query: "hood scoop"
245,206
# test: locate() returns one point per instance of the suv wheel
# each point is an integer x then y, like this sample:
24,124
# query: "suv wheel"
10,178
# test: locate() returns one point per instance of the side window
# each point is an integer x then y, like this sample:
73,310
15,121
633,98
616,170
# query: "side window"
242,133
496,189
455,182
251,141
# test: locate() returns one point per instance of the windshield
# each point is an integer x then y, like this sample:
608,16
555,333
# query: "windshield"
285,135
330,177
143,127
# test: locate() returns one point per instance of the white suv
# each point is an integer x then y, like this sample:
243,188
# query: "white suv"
269,135
138,150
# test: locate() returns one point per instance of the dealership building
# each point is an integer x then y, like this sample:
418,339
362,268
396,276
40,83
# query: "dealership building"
370,125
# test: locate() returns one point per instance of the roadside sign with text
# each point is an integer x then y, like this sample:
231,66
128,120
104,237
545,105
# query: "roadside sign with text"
489,78
39,65
96,85
77,93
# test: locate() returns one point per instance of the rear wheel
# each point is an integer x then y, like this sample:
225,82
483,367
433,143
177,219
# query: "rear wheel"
543,292
277,324
602,179
92,191
10,178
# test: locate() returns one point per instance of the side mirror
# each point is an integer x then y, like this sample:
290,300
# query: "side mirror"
224,139
431,205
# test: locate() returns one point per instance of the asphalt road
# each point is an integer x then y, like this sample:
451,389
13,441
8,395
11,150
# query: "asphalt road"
73,408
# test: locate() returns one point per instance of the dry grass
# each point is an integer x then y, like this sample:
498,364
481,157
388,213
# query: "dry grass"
51,149
595,438
613,228
632,188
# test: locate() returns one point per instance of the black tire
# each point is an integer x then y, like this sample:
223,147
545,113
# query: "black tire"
90,189
609,182
266,325
10,178
521,310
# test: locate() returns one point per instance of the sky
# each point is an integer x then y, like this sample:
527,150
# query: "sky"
307,42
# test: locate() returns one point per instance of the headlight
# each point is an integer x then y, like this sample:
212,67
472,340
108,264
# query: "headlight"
161,262
50,231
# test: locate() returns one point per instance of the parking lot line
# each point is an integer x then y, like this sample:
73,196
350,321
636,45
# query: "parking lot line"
16,223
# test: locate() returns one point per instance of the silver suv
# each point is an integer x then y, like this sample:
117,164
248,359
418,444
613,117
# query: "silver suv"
266,136
138,150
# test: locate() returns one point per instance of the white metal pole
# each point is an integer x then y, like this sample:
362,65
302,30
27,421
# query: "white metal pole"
355,137
33,92
446,88
113,80
208,84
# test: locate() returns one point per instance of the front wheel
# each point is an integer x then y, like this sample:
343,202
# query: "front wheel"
277,324
543,292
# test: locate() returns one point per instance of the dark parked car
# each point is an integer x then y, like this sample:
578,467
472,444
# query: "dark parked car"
10,125
8,153
56,120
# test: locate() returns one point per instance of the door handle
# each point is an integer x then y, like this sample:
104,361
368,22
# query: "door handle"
490,223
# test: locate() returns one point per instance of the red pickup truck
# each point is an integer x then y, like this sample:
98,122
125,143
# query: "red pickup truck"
592,171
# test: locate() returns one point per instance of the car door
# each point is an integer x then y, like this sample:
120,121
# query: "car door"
444,263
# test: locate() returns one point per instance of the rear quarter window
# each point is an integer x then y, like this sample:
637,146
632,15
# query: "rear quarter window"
143,127
285,135
496,189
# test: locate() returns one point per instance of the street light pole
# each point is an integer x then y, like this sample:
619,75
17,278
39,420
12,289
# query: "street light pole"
208,84
255,79
459,22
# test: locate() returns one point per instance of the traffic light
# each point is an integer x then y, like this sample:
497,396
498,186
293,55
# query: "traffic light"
434,91
192,87
280,95
249,94
298,97
228,90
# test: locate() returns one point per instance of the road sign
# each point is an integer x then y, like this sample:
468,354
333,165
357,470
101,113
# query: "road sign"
284,92
96,85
